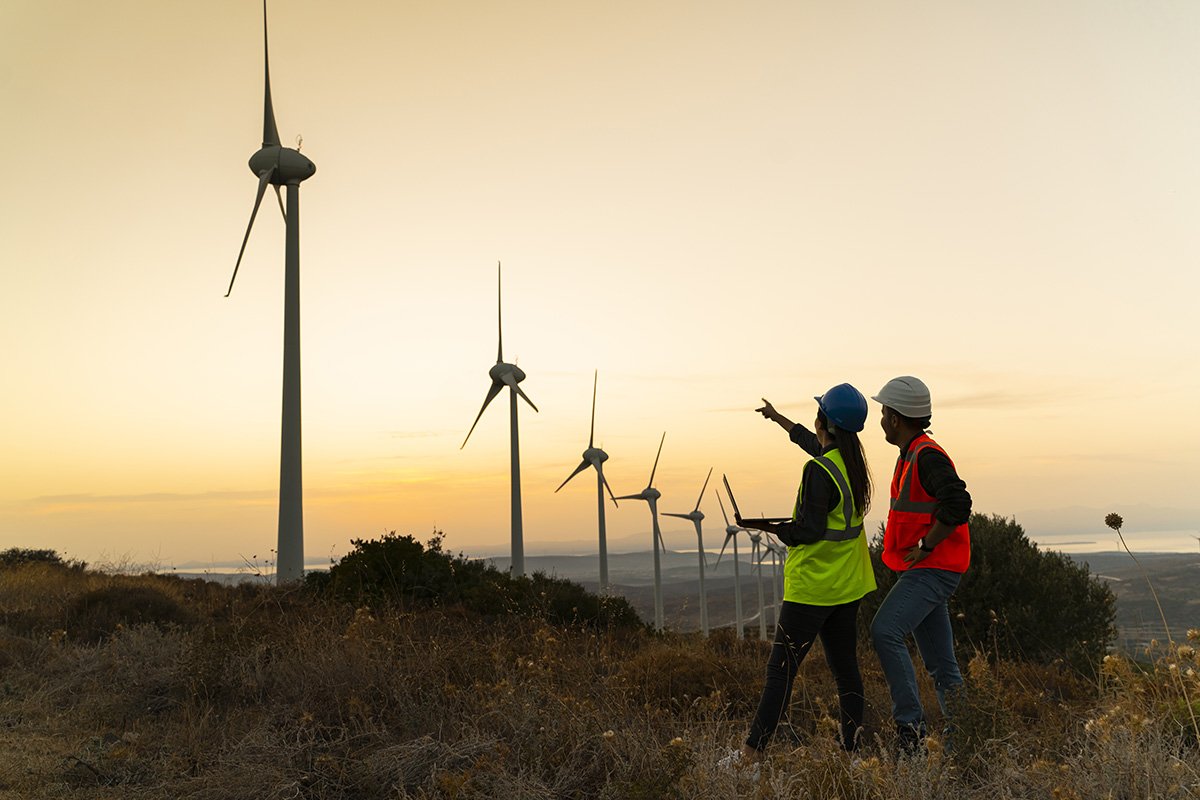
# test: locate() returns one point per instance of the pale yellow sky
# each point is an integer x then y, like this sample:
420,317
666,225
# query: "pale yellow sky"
708,202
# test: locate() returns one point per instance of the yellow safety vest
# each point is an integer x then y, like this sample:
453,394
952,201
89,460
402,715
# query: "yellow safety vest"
836,569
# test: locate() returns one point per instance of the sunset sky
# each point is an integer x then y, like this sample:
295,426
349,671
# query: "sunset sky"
708,202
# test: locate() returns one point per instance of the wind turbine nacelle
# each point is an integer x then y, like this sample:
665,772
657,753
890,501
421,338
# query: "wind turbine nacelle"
498,371
651,493
290,165
595,455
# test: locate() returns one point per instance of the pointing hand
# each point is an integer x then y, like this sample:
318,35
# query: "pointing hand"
767,410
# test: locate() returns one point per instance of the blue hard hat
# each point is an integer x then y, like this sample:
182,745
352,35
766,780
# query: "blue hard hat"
845,406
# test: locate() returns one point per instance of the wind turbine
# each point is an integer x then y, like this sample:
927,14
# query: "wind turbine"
651,495
695,515
756,565
731,532
594,457
278,166
503,374
778,559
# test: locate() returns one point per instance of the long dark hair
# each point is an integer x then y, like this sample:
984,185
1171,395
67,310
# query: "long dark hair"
857,471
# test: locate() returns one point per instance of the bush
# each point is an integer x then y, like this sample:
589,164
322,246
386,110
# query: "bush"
399,568
98,613
1017,602
19,556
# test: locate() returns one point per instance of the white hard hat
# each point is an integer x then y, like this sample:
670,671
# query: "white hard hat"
906,395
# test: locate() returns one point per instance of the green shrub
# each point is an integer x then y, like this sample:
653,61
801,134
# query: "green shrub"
400,569
1017,602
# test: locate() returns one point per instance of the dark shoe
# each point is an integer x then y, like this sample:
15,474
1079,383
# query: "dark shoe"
910,740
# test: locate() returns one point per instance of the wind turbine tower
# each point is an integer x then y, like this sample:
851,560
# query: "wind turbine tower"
593,457
696,516
731,532
756,565
651,495
278,166
778,559
503,374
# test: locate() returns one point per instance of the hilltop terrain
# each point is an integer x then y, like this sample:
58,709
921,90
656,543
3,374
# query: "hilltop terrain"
149,686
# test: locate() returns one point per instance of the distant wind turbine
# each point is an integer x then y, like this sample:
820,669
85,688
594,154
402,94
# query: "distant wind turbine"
696,516
731,532
651,495
593,457
278,166
756,566
509,375
778,555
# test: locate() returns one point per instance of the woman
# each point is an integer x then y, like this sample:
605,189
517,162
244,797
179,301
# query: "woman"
828,568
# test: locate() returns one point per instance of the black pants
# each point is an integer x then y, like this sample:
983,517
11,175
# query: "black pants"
799,625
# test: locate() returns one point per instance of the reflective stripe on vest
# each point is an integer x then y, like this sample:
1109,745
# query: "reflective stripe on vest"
843,530
902,501
851,531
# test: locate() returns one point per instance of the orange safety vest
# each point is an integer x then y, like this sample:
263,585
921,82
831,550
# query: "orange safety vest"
911,517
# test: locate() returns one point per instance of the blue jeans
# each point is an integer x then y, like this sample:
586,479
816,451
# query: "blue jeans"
917,605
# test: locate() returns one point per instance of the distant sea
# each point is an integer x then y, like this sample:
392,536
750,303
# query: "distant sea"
1140,542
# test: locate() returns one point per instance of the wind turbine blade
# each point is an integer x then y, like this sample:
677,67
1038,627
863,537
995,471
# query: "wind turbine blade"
491,395
637,496
279,197
655,467
525,397
606,486
511,381
681,516
723,514
270,131
578,470
701,497
499,321
263,179
592,433
728,536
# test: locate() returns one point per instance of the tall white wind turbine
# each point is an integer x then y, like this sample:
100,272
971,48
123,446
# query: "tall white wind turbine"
277,166
594,457
696,516
503,374
651,495
731,532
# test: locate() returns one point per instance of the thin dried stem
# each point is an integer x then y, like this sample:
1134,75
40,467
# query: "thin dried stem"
1115,522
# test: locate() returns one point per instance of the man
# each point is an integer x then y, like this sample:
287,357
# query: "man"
927,542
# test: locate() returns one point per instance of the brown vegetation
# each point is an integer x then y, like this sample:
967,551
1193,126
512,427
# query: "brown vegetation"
115,686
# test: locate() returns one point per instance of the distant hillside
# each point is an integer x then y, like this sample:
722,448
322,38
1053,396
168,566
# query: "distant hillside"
1175,577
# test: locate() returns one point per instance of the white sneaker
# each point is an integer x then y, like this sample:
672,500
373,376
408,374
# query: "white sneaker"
735,762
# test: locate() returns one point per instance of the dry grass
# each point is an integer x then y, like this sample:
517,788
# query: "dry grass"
264,693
